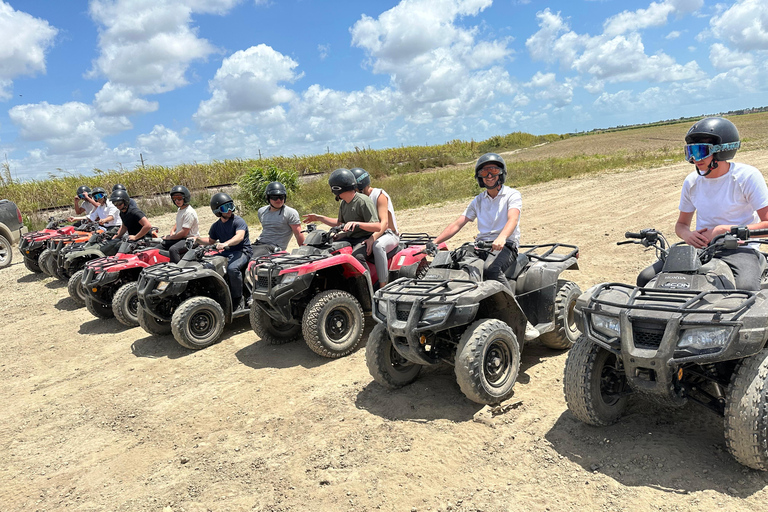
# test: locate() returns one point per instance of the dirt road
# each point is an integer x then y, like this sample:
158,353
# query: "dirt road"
99,417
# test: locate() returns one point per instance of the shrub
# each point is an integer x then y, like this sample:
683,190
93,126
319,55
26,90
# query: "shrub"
254,182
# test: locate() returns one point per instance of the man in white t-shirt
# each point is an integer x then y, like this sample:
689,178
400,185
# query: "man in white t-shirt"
186,224
84,203
722,194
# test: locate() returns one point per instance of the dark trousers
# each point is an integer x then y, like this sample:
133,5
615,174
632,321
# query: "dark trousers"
236,263
176,249
744,262
497,264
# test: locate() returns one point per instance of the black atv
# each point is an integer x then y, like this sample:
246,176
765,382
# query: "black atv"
191,298
452,315
322,292
72,258
689,334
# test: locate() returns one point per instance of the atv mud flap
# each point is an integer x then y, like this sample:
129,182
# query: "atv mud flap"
413,328
275,301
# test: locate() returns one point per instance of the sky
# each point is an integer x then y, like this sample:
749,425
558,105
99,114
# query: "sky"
103,84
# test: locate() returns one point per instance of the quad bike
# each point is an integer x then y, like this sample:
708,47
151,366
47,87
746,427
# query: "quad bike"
72,258
452,315
32,244
191,298
109,283
322,291
49,258
689,334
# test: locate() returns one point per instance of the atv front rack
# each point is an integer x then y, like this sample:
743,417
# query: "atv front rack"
549,254
167,271
684,302
428,288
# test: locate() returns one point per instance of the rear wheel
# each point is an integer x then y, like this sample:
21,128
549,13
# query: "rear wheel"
76,289
566,330
385,364
58,271
151,324
333,323
32,265
98,309
44,261
125,305
270,330
487,361
198,323
6,252
746,423
594,384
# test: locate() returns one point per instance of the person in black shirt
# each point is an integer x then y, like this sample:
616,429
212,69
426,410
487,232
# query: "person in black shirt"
230,233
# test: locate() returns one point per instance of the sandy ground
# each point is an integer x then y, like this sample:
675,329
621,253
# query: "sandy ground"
99,417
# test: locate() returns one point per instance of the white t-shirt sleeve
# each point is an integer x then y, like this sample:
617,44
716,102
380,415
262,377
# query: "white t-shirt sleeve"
515,200
755,189
471,211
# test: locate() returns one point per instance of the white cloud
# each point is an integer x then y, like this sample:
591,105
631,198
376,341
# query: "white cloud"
654,16
25,40
323,50
148,45
744,25
117,100
723,58
674,34
549,89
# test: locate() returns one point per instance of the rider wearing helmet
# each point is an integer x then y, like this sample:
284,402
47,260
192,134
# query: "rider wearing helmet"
131,203
88,203
106,214
388,237
230,234
134,222
356,212
278,222
722,194
186,224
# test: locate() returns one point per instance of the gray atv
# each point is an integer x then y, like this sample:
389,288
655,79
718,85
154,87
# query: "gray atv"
452,315
689,334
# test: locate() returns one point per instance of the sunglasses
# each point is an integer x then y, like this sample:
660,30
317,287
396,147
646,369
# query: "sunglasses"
118,204
177,198
697,152
277,198
489,171
227,207
98,196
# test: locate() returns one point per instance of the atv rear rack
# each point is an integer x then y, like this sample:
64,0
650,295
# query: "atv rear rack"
410,239
549,254
683,302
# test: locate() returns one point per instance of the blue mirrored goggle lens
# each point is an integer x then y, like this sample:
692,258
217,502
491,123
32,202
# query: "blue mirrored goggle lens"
697,151
81,196
98,196
227,207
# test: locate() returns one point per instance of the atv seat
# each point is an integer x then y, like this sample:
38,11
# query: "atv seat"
514,271
164,253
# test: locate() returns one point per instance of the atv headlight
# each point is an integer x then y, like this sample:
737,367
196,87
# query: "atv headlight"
289,278
382,307
162,285
436,313
607,325
704,338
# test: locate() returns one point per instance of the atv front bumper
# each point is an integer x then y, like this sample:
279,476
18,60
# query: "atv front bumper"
154,291
275,298
100,286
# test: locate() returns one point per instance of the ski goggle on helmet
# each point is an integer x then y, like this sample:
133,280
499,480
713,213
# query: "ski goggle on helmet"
698,152
99,195
227,207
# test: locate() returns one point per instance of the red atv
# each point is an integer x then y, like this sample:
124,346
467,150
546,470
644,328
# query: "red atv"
32,244
109,283
322,291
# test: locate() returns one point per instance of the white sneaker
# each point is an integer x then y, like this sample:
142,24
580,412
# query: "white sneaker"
531,333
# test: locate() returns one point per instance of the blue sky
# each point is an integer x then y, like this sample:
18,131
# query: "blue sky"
95,84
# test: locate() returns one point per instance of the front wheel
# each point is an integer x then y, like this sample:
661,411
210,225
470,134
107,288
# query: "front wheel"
151,324
6,252
270,330
76,289
198,323
333,323
32,265
45,260
125,305
98,309
594,384
566,330
487,361
746,422
385,364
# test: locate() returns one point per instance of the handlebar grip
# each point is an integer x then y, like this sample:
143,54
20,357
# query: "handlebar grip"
758,232
630,234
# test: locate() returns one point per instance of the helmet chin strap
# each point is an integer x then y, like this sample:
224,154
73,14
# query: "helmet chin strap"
712,165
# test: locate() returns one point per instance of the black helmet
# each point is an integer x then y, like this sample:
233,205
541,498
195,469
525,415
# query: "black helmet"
120,196
83,188
181,189
362,177
219,199
491,158
275,189
342,180
715,130
118,186
98,190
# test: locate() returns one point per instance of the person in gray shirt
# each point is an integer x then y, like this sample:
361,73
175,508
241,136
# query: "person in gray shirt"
278,222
